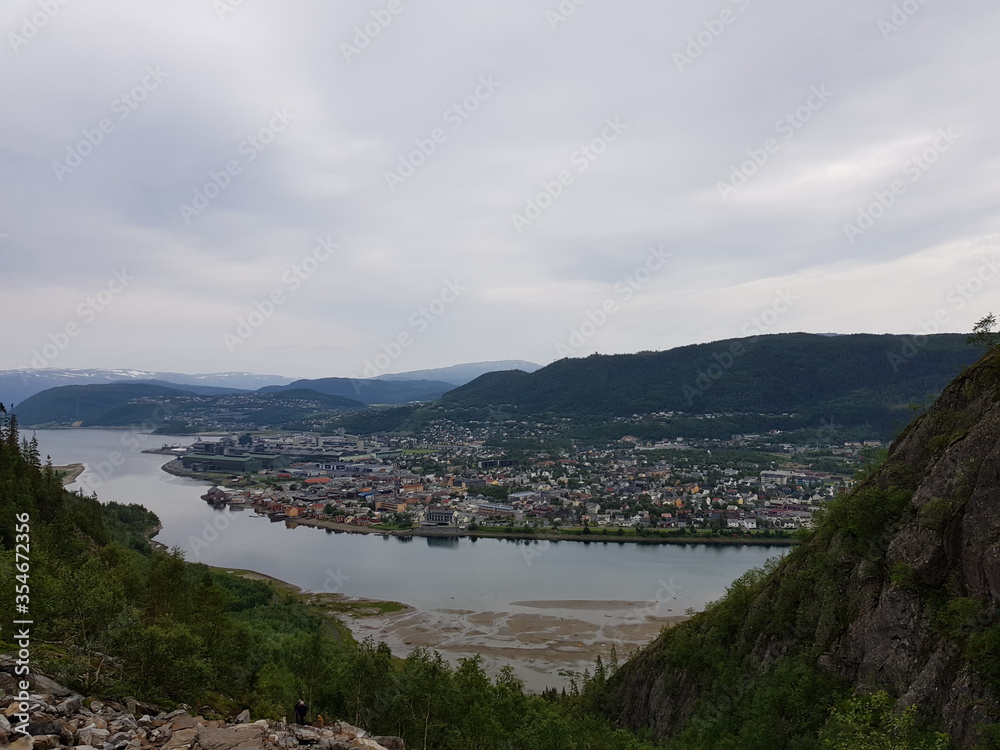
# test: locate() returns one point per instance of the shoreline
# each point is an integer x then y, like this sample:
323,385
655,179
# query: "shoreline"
547,643
595,537
456,533
70,472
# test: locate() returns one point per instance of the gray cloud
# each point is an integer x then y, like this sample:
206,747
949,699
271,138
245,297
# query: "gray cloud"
271,186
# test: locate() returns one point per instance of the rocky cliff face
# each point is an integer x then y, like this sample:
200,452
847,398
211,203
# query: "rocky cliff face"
899,591
58,718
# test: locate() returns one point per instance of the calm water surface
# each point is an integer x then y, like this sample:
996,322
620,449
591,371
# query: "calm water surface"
426,573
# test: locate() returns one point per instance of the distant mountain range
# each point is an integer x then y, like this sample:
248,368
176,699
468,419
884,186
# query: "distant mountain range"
462,374
17,385
799,381
371,391
851,380
155,407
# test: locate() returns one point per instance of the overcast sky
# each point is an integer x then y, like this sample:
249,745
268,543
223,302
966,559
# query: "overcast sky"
298,188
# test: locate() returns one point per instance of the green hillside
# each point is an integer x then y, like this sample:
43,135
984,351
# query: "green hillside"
881,630
172,409
370,391
110,405
114,617
852,380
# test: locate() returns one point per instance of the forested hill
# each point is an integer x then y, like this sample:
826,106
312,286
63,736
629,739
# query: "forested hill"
879,631
856,379
156,406
114,618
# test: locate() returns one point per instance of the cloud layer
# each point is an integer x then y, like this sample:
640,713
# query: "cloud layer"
292,188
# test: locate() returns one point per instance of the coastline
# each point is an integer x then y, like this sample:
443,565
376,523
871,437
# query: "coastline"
596,537
593,538
547,643
70,472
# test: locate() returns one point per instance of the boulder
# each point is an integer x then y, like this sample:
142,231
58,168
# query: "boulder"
45,726
69,706
118,737
365,742
24,742
391,743
182,739
91,735
186,721
240,737
46,742
244,717
160,734
123,721
305,735
45,685
330,743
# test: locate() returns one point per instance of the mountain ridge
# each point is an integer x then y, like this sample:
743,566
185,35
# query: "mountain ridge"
896,593
855,379
19,384
156,406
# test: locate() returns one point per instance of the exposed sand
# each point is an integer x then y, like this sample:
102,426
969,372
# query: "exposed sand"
603,605
70,472
546,642
544,650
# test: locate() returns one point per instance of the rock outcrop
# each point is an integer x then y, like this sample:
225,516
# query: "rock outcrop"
891,594
59,718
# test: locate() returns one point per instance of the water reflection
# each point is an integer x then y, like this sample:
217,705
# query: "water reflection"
445,542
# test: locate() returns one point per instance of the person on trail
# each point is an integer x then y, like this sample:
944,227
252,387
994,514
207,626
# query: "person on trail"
301,709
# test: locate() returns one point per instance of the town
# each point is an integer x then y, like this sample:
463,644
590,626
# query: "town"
747,488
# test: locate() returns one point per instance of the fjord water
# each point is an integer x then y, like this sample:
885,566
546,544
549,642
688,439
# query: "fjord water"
423,572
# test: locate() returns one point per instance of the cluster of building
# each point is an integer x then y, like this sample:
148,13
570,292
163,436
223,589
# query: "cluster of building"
401,482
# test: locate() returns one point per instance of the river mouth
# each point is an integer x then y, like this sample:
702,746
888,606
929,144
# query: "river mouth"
546,609
545,649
